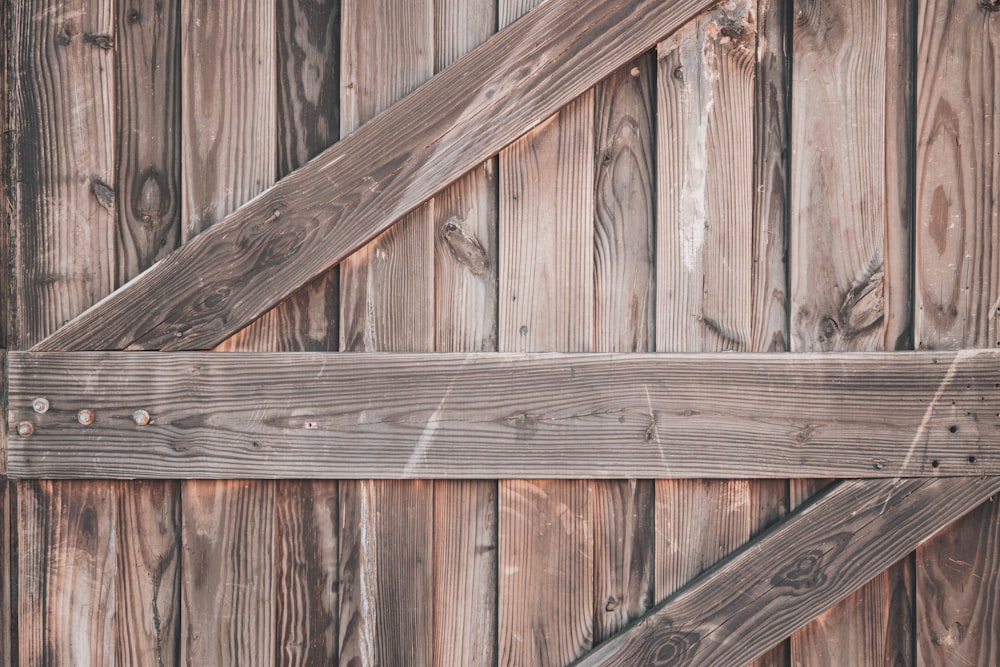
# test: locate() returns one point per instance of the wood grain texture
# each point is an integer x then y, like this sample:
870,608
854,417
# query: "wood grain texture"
545,530
227,71
62,171
148,104
306,587
808,562
465,302
148,575
957,291
623,322
8,635
227,585
705,137
65,573
219,282
433,415
387,304
228,66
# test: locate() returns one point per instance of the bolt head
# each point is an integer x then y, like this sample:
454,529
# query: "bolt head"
140,417
24,429
40,405
85,417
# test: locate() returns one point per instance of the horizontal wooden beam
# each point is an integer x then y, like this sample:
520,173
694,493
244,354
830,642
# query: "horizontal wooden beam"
222,280
505,415
781,580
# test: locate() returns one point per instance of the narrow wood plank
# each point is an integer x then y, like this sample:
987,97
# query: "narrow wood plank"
147,183
387,303
148,576
781,580
227,69
589,415
623,322
465,302
545,530
8,628
215,285
227,573
957,292
65,573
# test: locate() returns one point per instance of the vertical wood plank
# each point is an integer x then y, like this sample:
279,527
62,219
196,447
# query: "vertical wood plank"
387,303
465,301
545,529
624,136
8,638
59,144
850,253
147,580
147,184
957,297
66,570
228,579
228,76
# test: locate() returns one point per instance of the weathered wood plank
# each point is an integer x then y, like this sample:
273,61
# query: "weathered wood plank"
546,303
65,573
222,280
8,634
148,575
957,292
227,583
850,245
465,302
624,222
227,68
387,303
590,415
781,580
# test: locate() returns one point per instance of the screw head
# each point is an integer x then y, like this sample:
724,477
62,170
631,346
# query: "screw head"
40,405
140,417
85,417
24,429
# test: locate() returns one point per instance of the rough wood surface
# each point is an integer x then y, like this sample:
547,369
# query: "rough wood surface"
781,580
148,575
622,510
387,304
591,415
465,302
228,65
222,280
546,303
850,249
8,637
957,292
65,573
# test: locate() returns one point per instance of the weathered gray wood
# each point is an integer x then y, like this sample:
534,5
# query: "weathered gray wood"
470,415
957,297
222,280
784,578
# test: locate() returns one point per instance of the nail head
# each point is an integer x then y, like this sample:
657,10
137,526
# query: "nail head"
40,405
140,417
85,417
25,429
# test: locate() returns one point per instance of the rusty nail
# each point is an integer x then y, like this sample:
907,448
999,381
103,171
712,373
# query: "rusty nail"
85,417
25,429
140,417
40,405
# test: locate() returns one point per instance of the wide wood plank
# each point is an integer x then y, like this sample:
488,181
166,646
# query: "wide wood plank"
219,282
228,65
781,580
593,415
957,292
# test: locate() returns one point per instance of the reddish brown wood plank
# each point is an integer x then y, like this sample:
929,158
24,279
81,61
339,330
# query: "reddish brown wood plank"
363,184
781,580
957,292
8,636
65,573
